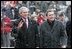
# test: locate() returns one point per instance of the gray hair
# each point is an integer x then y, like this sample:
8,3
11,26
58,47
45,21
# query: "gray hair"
22,9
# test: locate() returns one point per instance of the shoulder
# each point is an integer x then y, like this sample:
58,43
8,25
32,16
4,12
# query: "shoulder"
60,25
44,24
58,22
68,23
16,9
32,21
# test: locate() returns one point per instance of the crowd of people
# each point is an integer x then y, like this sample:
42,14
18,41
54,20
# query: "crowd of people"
35,24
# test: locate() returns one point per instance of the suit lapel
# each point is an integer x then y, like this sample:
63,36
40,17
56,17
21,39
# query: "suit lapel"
29,23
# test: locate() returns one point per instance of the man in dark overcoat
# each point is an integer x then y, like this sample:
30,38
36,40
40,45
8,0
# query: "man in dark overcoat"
52,32
26,30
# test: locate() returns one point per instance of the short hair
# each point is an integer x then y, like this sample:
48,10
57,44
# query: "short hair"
61,14
49,10
23,8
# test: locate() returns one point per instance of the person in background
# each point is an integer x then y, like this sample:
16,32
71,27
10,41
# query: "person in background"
11,10
68,26
34,16
6,29
40,19
62,19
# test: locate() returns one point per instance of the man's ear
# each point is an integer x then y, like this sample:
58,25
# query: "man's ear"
21,13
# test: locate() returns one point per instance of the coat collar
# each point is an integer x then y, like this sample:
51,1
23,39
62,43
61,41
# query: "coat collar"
48,26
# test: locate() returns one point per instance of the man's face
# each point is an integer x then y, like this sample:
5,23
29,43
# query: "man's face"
12,4
61,18
51,16
24,13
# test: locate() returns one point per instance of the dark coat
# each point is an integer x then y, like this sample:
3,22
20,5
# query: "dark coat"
27,37
8,12
53,37
68,29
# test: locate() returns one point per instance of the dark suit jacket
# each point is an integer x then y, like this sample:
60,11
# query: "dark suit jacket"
9,13
53,37
28,37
